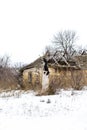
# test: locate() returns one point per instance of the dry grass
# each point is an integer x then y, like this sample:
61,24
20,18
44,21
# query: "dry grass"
67,79
8,80
78,80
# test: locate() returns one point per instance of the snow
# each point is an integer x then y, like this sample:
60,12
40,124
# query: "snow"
24,111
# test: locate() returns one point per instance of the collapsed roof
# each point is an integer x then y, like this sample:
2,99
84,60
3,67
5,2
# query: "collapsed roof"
78,62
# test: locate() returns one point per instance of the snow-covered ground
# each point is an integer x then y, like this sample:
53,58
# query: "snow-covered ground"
24,111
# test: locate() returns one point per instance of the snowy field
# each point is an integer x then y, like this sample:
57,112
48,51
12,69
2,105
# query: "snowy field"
24,111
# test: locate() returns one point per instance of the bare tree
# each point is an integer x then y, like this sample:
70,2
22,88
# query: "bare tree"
8,75
64,42
4,61
49,50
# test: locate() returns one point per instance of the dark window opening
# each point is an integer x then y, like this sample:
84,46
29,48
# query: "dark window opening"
30,77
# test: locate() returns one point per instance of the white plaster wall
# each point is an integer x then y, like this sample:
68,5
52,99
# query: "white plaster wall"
45,81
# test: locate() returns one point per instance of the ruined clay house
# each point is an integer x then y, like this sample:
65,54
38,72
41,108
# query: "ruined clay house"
43,73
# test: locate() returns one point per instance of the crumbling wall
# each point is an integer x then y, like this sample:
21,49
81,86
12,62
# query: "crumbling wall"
32,78
58,78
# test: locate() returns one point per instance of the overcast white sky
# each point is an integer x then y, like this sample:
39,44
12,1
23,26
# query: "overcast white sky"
27,26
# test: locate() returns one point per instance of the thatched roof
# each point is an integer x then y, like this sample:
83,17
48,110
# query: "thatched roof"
36,64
